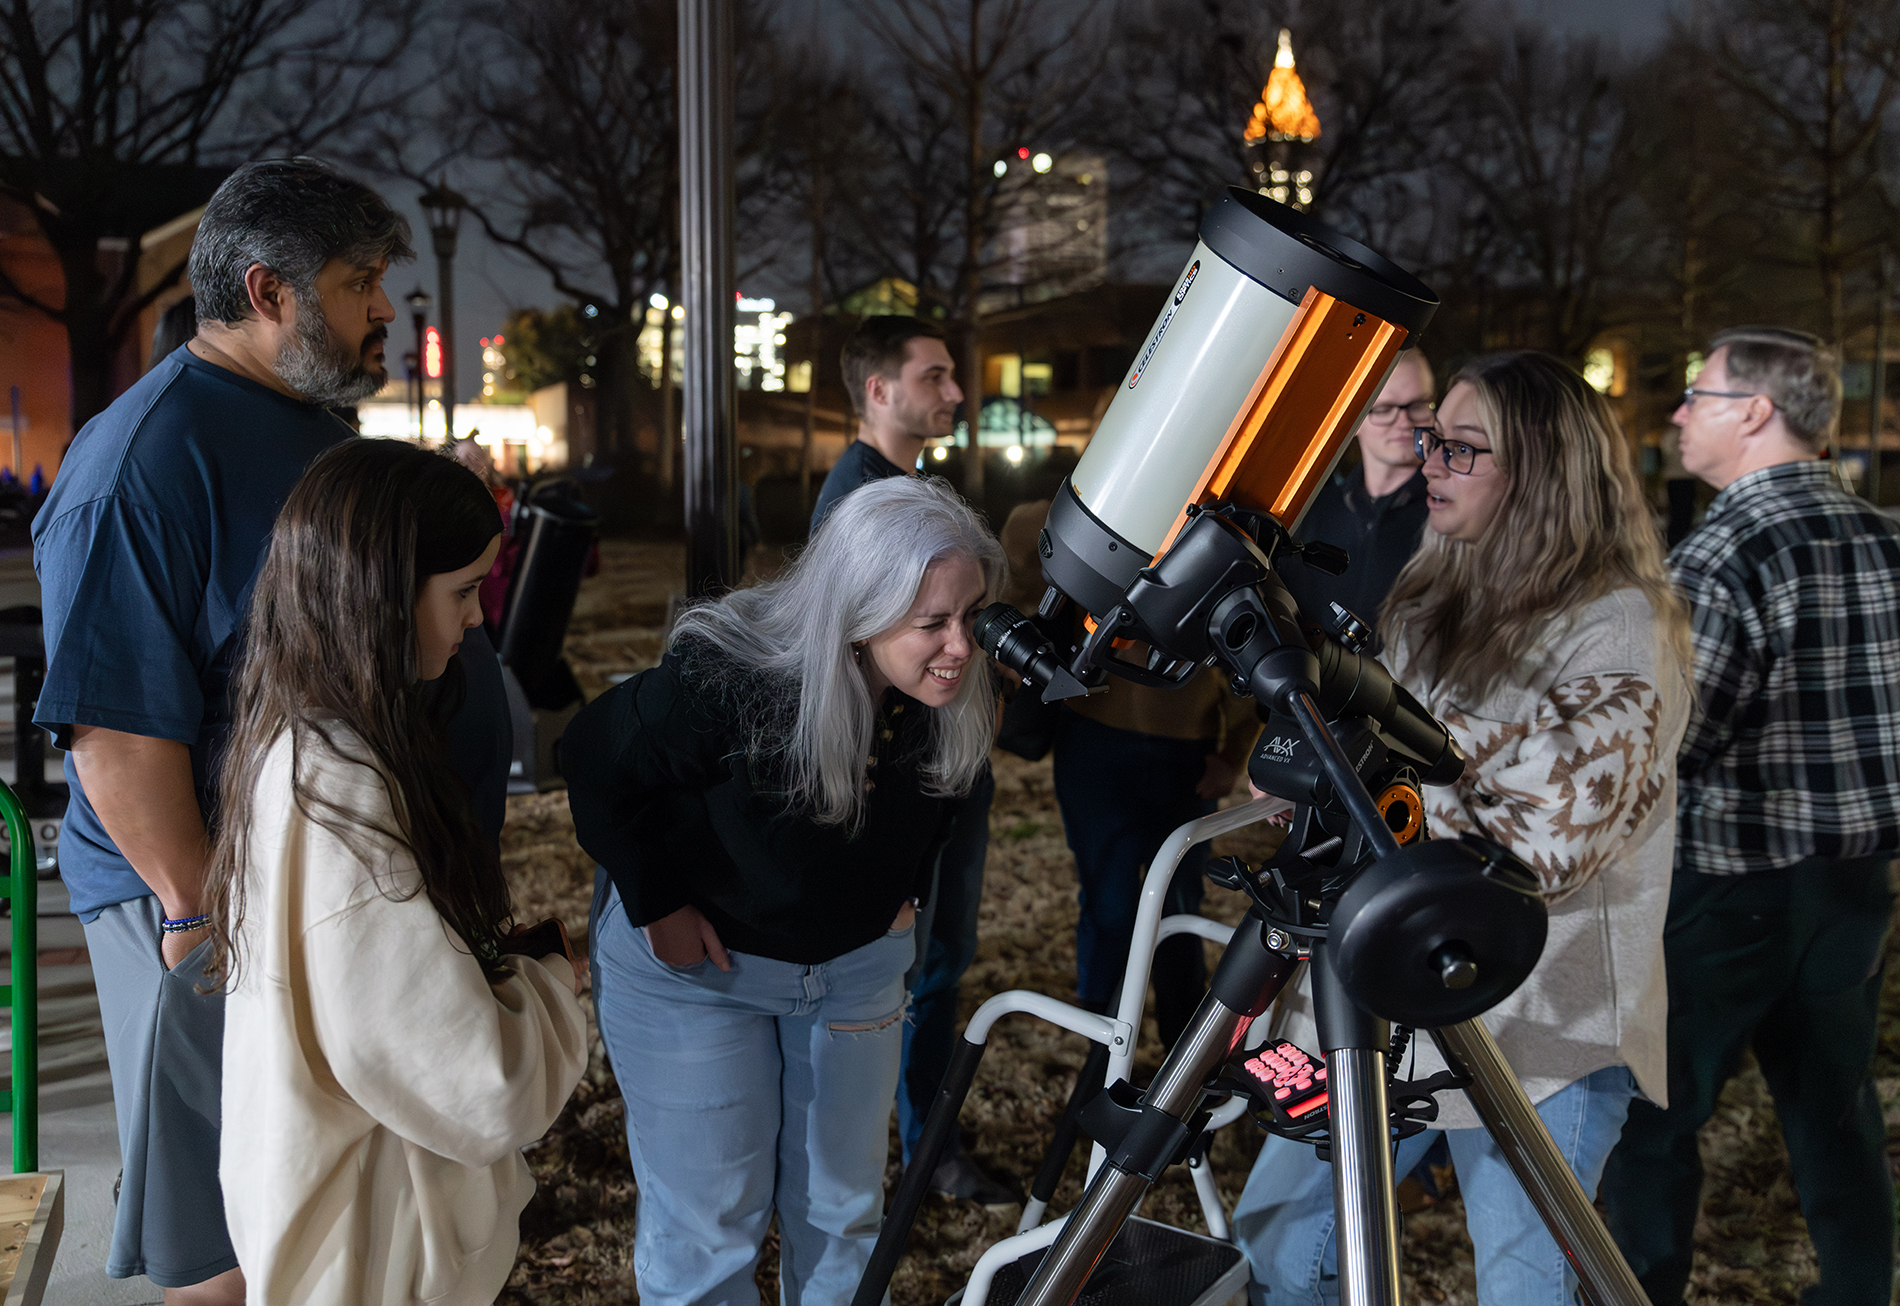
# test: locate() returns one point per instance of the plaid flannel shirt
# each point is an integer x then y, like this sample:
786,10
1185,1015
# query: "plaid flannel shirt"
1794,751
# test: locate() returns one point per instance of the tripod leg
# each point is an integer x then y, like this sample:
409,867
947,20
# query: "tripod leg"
939,1128
1087,1084
1248,979
1365,1202
1540,1168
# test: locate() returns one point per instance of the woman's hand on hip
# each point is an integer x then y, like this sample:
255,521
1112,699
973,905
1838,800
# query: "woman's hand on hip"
687,938
905,918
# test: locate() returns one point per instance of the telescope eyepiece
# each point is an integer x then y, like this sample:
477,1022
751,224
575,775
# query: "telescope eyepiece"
1016,642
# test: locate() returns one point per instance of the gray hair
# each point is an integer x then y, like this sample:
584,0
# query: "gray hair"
1797,371
790,639
293,216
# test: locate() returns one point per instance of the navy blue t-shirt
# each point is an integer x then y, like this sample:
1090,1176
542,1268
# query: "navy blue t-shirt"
859,464
147,550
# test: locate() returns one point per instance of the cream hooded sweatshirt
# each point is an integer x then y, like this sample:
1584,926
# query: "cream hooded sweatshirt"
377,1088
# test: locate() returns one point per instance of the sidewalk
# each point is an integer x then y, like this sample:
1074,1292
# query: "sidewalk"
78,1132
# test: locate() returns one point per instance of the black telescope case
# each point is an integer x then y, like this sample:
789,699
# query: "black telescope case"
556,531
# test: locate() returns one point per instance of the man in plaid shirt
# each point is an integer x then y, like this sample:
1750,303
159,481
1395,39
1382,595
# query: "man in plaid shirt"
1790,814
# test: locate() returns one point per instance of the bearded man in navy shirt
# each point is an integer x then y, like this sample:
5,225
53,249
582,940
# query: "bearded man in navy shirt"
147,551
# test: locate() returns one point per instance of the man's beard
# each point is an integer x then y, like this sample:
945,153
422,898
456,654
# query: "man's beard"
920,422
323,369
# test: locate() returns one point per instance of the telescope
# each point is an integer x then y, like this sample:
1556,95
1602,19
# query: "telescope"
1275,339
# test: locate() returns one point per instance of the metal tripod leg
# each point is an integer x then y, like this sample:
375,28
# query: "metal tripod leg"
1249,977
1365,1205
1541,1170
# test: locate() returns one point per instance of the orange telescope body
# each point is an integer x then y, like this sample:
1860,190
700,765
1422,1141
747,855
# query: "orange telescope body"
1276,339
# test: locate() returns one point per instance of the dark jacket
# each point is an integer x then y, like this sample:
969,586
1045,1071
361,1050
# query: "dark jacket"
664,798
1379,535
859,464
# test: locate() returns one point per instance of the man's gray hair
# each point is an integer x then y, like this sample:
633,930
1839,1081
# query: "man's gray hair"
293,216
1795,370
792,637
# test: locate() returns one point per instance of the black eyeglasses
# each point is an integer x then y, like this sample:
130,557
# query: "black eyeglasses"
1692,394
1418,412
1459,456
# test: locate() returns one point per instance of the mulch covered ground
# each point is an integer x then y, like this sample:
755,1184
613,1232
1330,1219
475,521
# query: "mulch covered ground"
577,1244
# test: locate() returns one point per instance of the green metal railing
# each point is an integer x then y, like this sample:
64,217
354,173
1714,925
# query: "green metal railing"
22,886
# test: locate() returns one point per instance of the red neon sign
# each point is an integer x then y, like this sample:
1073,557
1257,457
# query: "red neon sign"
432,353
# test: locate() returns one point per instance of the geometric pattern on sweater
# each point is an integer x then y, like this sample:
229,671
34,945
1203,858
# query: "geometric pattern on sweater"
1794,750
1566,789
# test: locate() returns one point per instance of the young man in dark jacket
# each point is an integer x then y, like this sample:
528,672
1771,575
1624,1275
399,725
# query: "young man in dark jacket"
1376,510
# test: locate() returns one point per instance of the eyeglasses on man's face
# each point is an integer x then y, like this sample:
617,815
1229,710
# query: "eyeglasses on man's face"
1418,412
1692,394
1459,456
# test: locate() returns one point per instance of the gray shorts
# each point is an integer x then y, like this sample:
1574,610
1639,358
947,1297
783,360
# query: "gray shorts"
165,1048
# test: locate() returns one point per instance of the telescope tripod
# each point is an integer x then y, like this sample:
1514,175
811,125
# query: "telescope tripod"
1140,1135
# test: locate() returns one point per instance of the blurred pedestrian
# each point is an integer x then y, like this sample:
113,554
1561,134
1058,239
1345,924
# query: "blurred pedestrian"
1375,510
1131,766
177,324
494,590
1790,816
401,1043
903,388
146,552
1537,623
766,806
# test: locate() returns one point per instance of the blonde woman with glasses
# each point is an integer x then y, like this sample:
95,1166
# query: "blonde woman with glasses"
1537,622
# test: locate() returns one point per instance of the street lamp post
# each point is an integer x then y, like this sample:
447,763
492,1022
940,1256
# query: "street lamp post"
706,207
443,208
419,317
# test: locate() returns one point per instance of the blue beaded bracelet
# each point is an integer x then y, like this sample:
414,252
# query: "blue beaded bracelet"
184,924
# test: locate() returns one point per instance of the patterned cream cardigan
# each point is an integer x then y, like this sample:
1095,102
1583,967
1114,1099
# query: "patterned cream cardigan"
1573,767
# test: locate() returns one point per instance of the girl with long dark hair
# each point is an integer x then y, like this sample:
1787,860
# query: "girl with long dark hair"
391,1043
766,805
1537,622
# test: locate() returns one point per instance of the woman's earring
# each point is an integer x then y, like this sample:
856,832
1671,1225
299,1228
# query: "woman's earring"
857,652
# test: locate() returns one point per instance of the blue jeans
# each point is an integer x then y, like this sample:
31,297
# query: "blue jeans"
946,929
764,1088
1122,794
1284,1219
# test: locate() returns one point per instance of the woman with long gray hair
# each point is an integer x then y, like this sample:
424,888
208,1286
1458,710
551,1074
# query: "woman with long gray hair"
766,806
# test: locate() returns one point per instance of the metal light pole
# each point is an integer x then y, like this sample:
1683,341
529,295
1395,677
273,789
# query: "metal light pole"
419,318
444,210
706,209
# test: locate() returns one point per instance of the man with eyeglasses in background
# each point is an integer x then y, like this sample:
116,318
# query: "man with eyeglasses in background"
1789,814
1376,510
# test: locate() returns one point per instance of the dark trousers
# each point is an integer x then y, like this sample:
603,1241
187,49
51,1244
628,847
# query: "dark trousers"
1790,963
1122,794
946,933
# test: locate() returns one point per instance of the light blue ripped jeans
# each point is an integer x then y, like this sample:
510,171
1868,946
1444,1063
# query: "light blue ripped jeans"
765,1088
1284,1219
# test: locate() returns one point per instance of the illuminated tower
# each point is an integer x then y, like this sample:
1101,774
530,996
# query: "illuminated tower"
1281,133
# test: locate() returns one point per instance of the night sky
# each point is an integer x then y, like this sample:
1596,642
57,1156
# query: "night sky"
491,283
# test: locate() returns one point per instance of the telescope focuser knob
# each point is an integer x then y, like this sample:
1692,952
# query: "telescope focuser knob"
1456,970
1355,634
1321,556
